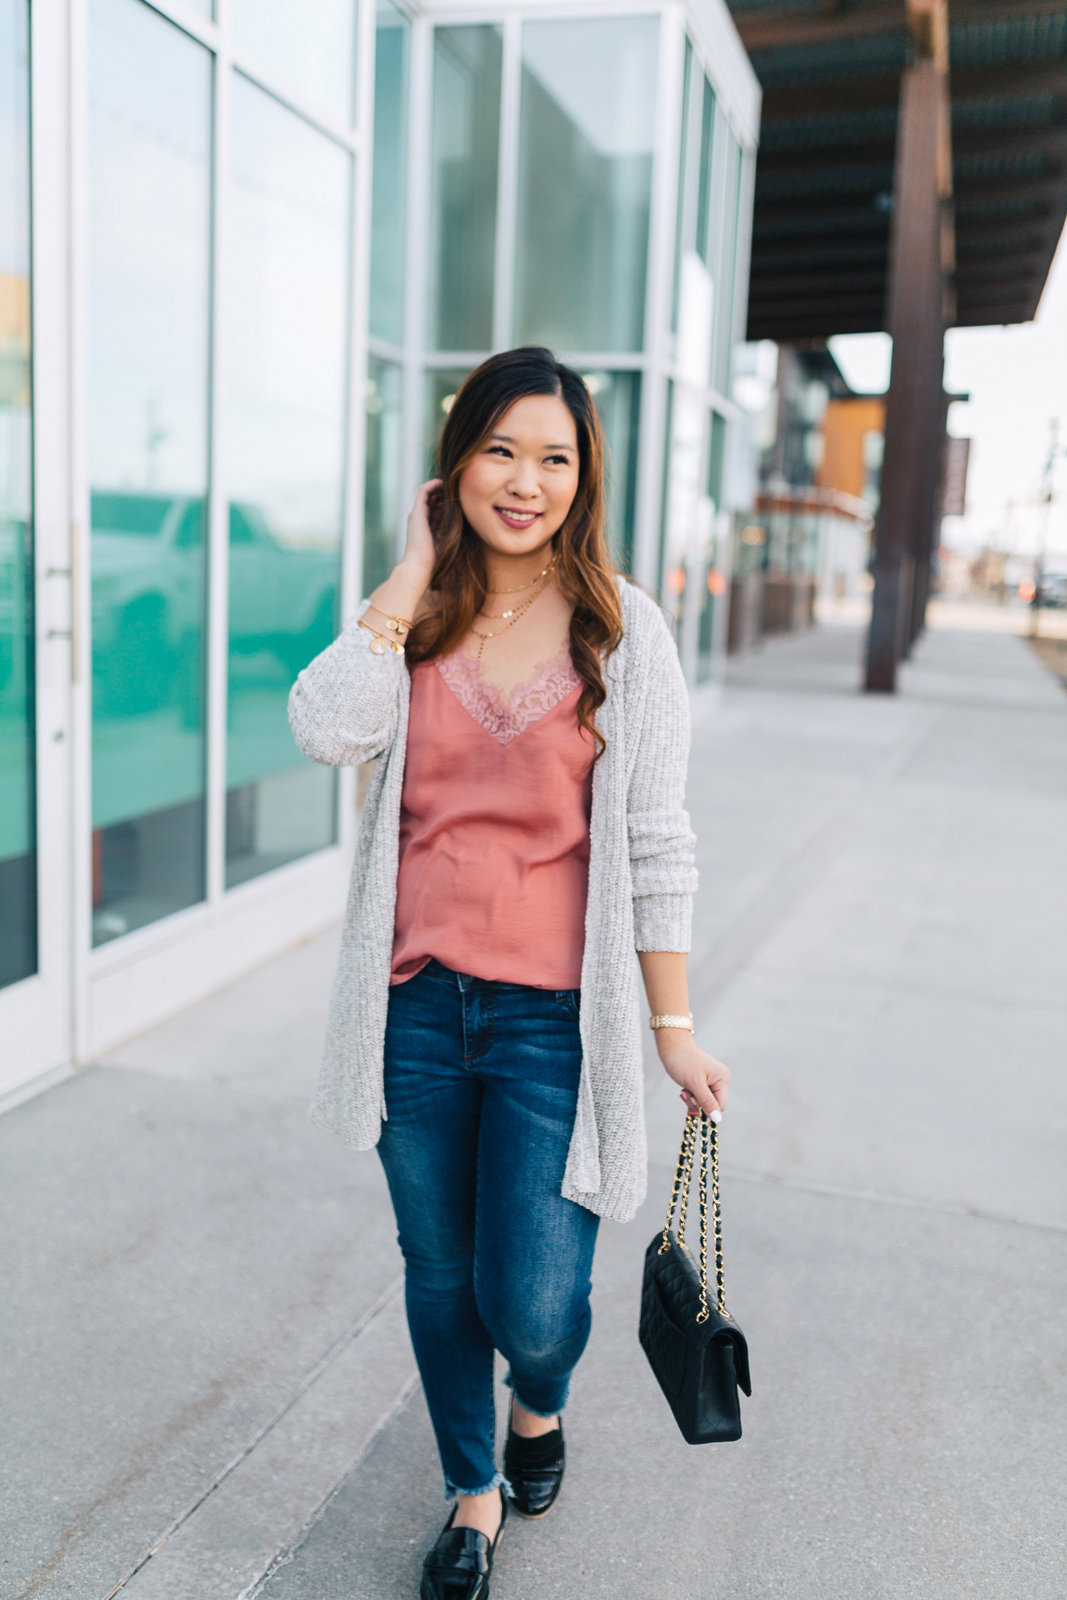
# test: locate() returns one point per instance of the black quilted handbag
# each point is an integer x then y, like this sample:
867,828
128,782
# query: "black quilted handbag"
697,1352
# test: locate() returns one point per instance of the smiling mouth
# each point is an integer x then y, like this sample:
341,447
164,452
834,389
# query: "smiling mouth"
516,519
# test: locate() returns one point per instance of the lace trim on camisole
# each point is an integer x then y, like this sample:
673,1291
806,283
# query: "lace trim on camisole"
506,716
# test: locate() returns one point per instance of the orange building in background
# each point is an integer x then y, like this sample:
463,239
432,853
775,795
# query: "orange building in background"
852,431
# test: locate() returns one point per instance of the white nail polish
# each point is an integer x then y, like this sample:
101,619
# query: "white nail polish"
716,1116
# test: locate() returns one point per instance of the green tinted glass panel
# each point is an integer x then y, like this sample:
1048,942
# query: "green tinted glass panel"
704,196
441,386
18,855
699,201
466,142
716,458
618,401
390,151
149,133
665,489
382,512
714,600
287,320
585,177
308,48
730,245
682,198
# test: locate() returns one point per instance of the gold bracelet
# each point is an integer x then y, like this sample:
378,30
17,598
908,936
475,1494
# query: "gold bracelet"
664,1019
394,624
379,643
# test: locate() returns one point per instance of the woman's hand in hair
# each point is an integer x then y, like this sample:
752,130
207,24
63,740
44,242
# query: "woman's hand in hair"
420,552
704,1082
403,594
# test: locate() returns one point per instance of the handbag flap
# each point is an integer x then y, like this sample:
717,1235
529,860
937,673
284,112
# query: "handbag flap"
679,1283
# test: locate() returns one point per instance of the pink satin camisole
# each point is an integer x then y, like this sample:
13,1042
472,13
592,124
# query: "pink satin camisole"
494,826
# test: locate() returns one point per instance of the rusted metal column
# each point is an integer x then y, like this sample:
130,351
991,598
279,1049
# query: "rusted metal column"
933,490
920,258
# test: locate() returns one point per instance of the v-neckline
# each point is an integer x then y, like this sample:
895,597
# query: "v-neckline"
531,700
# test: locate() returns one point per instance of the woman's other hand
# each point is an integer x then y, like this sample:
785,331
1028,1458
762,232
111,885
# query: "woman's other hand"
704,1082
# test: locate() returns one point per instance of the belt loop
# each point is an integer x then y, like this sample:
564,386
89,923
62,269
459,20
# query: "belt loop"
464,979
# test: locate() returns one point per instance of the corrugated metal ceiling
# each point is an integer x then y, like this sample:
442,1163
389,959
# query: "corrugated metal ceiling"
831,77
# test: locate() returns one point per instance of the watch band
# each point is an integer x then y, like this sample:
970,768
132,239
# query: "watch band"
666,1019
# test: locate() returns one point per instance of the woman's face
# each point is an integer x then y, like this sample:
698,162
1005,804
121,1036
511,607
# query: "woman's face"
517,490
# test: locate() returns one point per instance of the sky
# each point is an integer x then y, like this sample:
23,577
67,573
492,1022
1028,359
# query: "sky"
1017,381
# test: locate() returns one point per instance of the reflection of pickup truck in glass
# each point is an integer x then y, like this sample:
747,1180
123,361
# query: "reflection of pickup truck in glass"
16,612
148,588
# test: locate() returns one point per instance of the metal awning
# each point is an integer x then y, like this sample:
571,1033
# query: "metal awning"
831,72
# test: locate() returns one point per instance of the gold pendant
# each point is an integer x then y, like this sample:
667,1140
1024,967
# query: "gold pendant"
377,647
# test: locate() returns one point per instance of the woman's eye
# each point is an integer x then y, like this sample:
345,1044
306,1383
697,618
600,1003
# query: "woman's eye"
558,461
499,450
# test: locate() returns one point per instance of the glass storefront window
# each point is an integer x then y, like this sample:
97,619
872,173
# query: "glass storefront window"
287,310
309,48
724,331
18,854
149,152
617,396
390,165
683,184
441,386
716,458
585,175
693,587
704,212
382,512
714,591
698,230
463,187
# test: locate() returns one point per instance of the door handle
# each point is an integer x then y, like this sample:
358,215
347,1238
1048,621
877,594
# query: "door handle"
73,633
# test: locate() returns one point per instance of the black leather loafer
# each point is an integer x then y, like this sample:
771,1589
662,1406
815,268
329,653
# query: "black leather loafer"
459,1565
534,1469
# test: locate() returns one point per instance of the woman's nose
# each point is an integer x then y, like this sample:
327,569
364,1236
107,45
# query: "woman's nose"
524,481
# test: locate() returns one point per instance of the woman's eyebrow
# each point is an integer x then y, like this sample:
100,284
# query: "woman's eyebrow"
505,438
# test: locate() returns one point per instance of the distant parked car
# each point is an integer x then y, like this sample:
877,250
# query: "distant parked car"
1054,589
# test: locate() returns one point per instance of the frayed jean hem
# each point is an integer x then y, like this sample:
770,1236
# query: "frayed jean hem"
498,1482
546,1415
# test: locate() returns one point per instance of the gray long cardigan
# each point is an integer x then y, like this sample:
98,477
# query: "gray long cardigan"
349,706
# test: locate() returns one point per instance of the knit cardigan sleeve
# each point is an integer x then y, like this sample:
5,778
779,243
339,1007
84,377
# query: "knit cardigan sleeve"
660,838
344,706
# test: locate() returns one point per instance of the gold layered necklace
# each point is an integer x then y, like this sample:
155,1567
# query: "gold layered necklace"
510,617
520,587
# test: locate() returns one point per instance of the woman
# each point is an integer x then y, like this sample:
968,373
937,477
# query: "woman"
523,834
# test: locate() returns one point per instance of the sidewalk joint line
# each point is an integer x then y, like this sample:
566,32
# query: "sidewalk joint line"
351,1334
283,1556
841,1192
896,986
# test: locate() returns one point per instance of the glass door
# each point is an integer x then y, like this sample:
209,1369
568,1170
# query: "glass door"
36,593
18,827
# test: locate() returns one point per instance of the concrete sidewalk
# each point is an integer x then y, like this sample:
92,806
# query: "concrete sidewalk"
208,1387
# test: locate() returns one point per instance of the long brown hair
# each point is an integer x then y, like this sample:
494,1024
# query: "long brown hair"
584,568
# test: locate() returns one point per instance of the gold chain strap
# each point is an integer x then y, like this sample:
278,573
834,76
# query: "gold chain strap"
703,1313
685,1161
709,1156
716,1221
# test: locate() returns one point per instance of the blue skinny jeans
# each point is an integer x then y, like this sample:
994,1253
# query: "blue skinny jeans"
481,1086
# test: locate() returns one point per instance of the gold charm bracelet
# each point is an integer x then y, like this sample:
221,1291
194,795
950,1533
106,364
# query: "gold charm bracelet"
379,644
